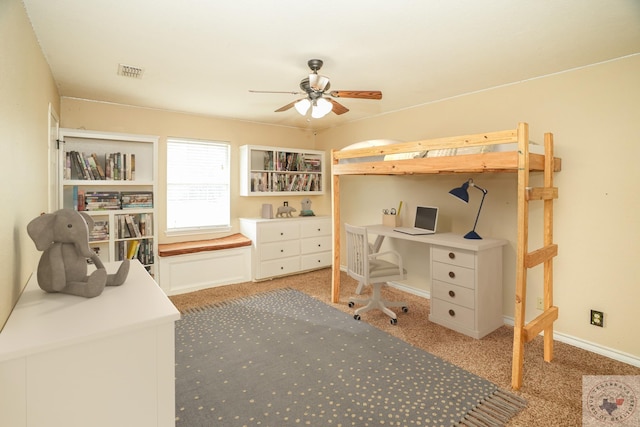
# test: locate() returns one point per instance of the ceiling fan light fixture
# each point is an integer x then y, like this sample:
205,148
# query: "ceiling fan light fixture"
302,106
317,82
320,108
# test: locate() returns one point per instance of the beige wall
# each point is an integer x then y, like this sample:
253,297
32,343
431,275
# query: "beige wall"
594,115
26,89
83,114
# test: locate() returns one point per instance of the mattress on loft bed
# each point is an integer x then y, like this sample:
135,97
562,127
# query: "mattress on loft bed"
533,148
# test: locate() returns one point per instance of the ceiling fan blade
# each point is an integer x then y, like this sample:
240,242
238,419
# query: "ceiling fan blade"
337,107
286,107
276,91
363,94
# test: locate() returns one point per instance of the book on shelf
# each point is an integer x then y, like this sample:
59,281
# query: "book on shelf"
136,199
99,231
102,200
132,250
114,166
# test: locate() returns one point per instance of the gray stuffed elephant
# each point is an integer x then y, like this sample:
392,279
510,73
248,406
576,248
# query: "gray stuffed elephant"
64,237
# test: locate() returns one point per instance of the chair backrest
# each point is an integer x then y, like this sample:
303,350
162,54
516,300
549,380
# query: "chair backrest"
357,252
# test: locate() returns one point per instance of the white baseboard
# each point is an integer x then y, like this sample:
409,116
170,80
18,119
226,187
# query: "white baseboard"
557,336
589,346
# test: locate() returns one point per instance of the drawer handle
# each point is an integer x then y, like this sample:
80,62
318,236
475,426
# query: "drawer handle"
452,255
281,268
281,250
319,245
452,275
452,313
452,294
319,229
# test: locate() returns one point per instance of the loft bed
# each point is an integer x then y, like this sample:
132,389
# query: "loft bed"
478,153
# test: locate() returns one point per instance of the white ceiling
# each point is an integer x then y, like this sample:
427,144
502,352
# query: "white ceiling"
203,56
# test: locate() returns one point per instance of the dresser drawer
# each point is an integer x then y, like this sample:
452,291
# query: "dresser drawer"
321,259
316,244
279,267
448,273
275,250
454,256
315,227
453,294
279,231
451,313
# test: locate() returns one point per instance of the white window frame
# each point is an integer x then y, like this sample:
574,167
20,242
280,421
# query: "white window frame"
198,183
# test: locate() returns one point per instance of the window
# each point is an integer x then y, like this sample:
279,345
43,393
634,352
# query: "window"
197,185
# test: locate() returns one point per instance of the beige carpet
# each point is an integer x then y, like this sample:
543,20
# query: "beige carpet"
553,390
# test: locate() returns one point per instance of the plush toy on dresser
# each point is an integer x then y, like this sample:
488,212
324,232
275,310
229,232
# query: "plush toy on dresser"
64,237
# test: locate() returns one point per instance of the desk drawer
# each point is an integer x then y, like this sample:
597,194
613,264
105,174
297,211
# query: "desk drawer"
453,294
454,256
452,313
448,273
277,250
316,244
279,231
321,259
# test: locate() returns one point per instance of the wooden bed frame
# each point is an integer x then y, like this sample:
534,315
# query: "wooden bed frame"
521,162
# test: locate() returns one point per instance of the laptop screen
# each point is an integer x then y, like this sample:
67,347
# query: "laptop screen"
426,217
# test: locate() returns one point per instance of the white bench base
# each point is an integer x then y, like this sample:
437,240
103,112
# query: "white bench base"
195,271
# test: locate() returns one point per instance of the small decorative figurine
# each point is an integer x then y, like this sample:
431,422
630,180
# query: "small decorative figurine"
285,211
306,208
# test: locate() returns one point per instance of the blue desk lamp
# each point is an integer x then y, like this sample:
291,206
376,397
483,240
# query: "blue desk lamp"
461,193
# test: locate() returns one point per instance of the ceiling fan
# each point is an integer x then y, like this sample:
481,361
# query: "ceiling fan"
318,96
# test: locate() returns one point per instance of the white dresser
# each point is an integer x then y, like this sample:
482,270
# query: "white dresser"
284,246
102,362
466,288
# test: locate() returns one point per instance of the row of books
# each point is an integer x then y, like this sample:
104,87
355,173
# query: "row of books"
132,249
111,200
114,166
266,181
297,162
129,226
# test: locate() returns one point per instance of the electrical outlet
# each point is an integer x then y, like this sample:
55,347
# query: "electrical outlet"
597,318
540,303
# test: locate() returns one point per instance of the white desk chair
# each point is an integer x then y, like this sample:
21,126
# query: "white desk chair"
366,268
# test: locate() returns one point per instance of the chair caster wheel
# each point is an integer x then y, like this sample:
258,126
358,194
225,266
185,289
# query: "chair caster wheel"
394,321
351,303
356,316
405,309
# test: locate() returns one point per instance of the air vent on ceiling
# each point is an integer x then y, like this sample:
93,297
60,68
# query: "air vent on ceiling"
130,71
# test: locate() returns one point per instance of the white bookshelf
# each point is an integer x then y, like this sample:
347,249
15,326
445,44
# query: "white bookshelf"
275,171
114,245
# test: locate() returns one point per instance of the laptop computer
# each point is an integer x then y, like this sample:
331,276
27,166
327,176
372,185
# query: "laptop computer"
426,222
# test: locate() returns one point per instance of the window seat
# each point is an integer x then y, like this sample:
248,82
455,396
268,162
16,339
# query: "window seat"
200,264
180,248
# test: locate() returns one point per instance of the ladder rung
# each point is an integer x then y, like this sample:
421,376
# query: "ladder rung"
538,324
541,255
542,193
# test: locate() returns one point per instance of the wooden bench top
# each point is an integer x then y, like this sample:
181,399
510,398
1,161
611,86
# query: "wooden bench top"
228,242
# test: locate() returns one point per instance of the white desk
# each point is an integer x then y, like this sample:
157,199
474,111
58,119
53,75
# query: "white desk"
466,279
106,361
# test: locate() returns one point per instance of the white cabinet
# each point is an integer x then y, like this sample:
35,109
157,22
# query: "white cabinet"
113,178
101,362
271,171
287,246
466,289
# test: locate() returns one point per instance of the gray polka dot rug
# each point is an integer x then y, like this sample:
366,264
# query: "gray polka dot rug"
283,358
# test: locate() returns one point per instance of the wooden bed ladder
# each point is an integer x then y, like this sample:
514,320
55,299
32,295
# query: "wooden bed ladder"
523,333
